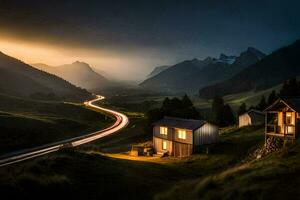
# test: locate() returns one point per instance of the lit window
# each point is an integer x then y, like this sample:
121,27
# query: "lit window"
181,134
288,118
164,130
164,145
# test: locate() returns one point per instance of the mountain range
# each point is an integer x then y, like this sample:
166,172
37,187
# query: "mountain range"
78,73
191,75
22,80
274,69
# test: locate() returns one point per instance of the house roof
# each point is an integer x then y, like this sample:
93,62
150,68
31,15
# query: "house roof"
253,111
190,124
292,103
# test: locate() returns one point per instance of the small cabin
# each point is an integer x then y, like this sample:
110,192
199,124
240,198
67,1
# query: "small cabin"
283,119
252,117
181,137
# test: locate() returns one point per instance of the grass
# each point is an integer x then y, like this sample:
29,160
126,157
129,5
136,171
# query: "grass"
84,173
273,177
26,123
235,100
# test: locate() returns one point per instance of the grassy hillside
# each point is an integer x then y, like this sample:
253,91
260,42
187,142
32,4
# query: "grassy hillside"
27,123
235,100
273,177
86,173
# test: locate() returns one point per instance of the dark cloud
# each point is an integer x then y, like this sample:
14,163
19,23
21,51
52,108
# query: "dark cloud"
185,29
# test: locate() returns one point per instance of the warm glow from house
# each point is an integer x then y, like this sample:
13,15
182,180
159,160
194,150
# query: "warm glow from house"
164,145
181,134
163,130
289,118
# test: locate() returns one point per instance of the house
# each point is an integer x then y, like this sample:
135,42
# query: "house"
180,137
252,117
283,119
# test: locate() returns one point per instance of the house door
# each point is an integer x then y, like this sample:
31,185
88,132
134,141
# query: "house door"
289,124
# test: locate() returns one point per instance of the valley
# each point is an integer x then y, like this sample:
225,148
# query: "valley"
30,123
158,100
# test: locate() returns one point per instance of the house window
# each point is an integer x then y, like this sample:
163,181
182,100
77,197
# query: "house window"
181,134
163,130
288,118
164,145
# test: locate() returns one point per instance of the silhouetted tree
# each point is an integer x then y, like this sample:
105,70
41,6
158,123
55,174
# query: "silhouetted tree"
242,109
171,104
182,108
262,104
272,97
187,103
222,113
228,116
290,88
217,110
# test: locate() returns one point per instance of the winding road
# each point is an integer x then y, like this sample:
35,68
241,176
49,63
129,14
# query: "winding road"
120,123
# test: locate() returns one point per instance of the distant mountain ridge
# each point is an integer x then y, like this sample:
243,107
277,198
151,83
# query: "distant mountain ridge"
268,72
22,80
157,70
190,75
78,73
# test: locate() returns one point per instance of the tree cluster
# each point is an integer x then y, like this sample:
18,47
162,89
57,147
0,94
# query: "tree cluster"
182,108
222,113
290,88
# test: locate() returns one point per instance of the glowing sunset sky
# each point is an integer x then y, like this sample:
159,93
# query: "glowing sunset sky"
128,38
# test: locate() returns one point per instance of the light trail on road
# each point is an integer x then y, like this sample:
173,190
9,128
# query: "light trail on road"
120,123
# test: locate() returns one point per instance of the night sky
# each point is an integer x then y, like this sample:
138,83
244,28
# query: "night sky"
136,36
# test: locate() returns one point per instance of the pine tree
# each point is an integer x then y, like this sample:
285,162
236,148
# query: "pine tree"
242,109
262,104
218,111
290,88
272,97
228,116
187,103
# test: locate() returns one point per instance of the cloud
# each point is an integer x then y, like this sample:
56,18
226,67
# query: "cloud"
137,35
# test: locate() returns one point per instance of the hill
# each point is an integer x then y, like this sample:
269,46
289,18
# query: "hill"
258,179
78,73
22,80
189,75
157,70
270,71
88,173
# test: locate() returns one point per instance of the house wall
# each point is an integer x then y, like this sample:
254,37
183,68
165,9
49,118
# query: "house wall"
158,144
257,118
173,134
297,124
281,121
189,136
244,120
207,134
182,150
169,136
